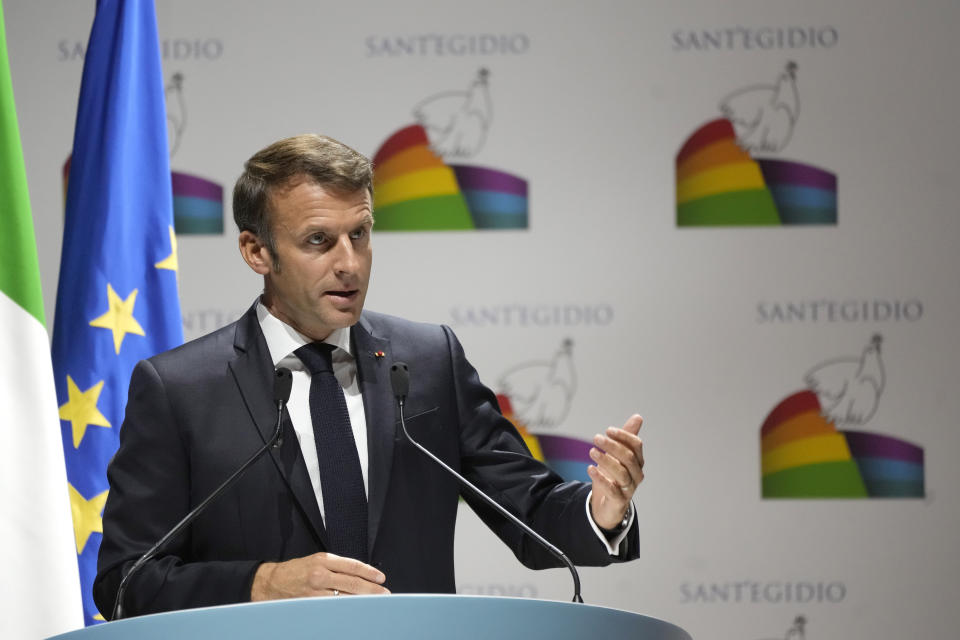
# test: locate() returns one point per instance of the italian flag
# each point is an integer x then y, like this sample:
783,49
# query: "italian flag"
40,587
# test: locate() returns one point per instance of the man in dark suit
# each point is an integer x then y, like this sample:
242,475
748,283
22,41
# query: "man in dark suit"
345,505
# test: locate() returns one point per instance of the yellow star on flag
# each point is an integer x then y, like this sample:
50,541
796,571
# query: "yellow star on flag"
81,409
170,262
119,317
87,516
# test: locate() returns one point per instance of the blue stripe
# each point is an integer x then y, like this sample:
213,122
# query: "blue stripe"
197,215
801,196
496,210
889,469
570,470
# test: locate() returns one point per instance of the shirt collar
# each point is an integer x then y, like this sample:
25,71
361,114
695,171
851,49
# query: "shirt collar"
283,340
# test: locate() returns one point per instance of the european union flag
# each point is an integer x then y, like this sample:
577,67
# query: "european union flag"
117,298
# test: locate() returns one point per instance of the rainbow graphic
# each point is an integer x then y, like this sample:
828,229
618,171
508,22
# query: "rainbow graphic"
414,190
720,184
197,202
805,456
569,457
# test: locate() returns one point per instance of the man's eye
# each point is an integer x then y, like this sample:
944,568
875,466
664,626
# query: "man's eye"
317,238
359,233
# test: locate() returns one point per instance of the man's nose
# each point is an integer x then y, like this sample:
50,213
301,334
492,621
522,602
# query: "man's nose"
345,256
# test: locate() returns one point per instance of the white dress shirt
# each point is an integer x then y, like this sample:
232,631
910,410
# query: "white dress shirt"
282,341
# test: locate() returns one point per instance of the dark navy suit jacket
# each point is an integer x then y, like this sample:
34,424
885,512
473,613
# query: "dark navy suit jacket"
195,413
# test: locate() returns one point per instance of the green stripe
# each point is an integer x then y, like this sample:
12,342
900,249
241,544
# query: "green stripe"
434,213
752,207
19,268
824,480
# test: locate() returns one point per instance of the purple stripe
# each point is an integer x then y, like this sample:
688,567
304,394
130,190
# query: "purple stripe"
563,448
484,179
196,187
784,172
874,445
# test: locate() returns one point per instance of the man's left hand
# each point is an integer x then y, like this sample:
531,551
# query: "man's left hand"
618,455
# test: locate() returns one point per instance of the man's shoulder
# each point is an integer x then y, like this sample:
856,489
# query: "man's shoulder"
216,345
384,325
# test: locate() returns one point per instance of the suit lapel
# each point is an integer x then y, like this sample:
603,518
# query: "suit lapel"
379,412
253,372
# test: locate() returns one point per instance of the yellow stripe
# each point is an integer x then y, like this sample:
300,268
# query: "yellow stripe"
828,448
420,184
407,161
718,154
730,177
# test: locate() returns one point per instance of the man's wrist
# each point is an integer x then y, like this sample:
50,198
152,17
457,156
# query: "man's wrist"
622,525
258,586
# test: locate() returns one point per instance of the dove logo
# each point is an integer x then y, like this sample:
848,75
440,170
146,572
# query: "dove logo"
416,190
805,453
724,176
541,392
537,395
569,457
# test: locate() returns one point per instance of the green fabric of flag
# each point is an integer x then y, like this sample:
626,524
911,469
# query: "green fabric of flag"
19,269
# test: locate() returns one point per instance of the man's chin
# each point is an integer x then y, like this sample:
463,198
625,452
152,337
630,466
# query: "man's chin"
342,318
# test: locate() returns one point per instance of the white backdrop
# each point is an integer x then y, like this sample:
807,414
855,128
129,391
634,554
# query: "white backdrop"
703,330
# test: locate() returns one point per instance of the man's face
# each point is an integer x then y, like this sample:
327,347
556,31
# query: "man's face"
323,256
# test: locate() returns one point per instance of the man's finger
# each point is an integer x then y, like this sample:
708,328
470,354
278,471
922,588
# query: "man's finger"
632,442
611,446
624,437
351,567
611,467
633,424
625,454
603,485
354,585
631,458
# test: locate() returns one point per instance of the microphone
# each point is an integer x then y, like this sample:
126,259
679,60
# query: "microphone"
400,382
282,383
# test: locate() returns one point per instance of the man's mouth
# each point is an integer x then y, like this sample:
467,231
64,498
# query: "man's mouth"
347,294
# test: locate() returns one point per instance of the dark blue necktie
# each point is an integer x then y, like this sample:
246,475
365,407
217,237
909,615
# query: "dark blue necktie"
341,481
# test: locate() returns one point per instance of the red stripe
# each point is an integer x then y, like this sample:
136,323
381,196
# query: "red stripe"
705,135
796,404
411,136
504,402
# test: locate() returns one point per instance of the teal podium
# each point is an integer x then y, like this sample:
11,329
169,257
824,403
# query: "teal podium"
386,617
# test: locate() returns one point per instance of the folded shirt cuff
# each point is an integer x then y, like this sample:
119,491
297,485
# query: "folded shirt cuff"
612,544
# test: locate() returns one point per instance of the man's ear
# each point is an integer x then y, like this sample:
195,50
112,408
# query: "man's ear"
255,253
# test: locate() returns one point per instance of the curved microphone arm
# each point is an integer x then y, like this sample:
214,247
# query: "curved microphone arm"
281,394
400,382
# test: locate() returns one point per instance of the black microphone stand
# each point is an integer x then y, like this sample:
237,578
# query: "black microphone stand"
281,393
399,379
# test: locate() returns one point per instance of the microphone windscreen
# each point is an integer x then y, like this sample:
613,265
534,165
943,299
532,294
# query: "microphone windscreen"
400,379
282,383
